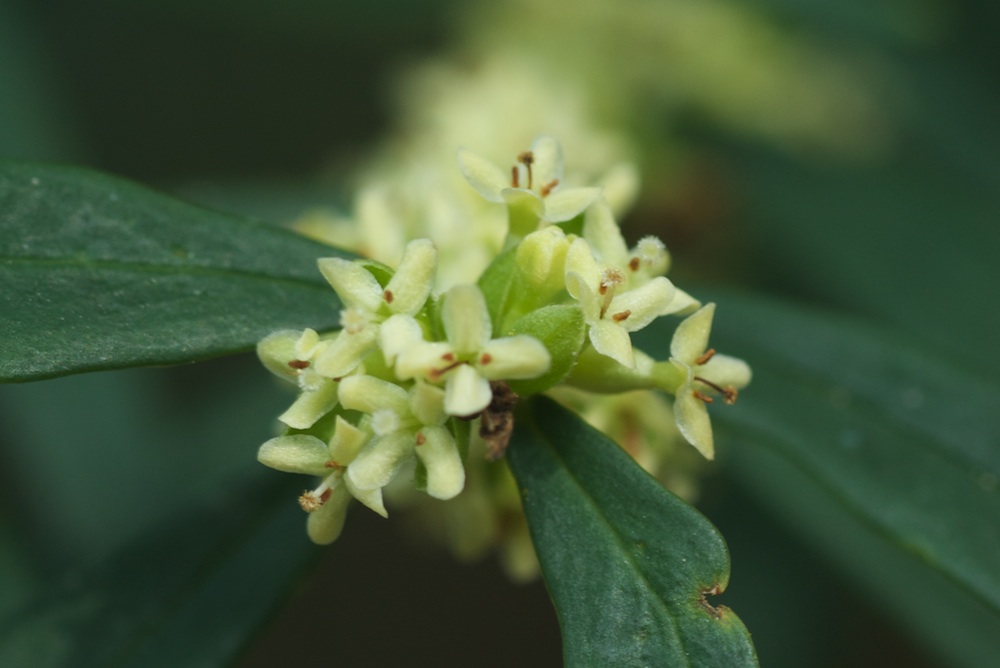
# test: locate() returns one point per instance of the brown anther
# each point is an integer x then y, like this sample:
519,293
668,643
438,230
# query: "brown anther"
619,317
548,187
309,502
421,439
299,364
704,397
332,465
527,158
707,355
633,264
388,296
515,177
485,359
448,357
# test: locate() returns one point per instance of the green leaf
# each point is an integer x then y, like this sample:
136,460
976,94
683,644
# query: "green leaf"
100,273
905,444
628,564
561,329
192,592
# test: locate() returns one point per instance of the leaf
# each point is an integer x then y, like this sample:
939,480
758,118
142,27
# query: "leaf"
906,444
628,565
191,592
100,273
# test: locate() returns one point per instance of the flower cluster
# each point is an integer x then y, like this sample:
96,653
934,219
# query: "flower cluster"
418,376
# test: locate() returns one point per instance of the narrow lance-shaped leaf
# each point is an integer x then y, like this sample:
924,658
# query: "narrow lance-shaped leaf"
100,273
629,566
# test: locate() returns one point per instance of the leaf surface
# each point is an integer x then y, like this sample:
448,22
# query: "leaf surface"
100,273
629,565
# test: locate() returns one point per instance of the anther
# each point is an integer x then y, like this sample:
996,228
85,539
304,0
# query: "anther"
434,374
619,317
707,355
388,296
548,187
299,364
485,359
515,177
448,357
527,158
606,288
704,397
633,264
421,439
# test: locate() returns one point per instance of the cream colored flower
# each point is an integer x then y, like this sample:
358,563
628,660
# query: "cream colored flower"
471,357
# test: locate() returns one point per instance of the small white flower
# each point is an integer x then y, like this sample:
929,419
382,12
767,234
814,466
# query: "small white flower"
292,356
367,304
610,309
404,424
327,503
534,182
702,371
647,260
471,357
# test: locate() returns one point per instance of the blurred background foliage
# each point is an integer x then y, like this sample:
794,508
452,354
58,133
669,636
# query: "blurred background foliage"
841,154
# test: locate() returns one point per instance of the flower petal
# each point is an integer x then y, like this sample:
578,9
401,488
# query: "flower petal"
354,284
611,340
299,453
466,392
483,175
691,338
725,370
693,421
642,304
311,405
548,160
514,357
345,353
380,460
369,497
682,304
397,334
369,394
439,454
422,359
326,522
580,289
466,319
346,442
427,404
277,350
567,203
604,236
411,284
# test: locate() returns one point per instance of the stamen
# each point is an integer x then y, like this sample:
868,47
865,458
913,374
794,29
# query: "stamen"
435,374
310,501
633,264
421,439
485,359
299,364
704,397
548,187
609,280
388,296
515,177
527,158
332,464
729,393
707,355
619,317
448,357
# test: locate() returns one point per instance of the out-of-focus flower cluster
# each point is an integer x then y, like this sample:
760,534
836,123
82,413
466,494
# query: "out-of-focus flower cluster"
421,381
